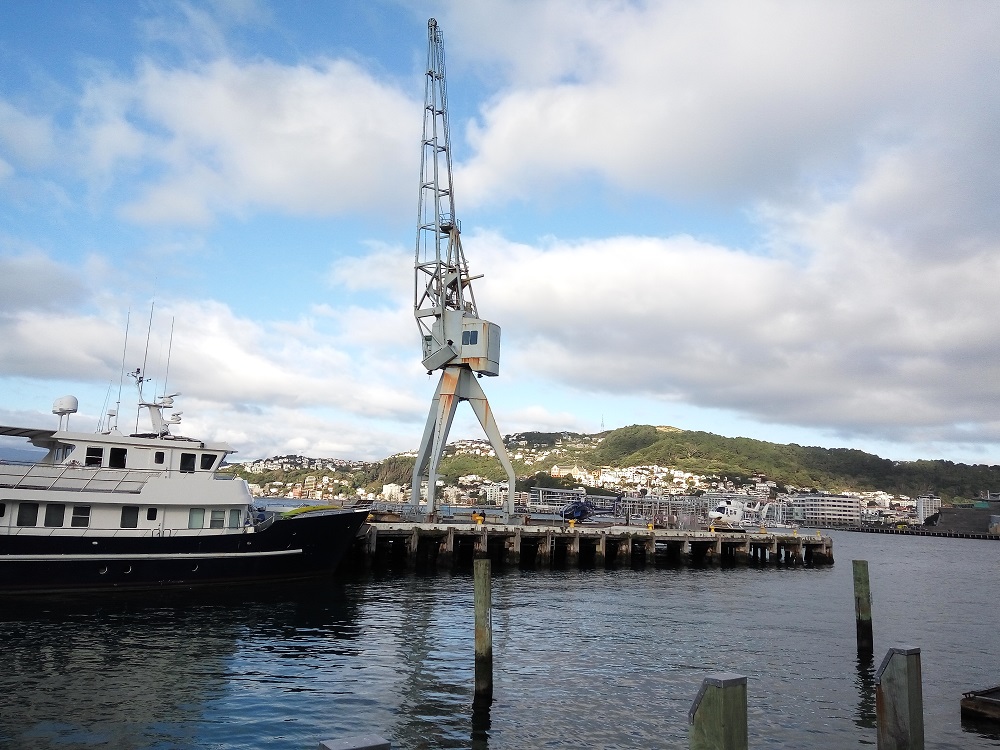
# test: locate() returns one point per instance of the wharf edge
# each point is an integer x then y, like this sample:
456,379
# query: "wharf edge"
447,546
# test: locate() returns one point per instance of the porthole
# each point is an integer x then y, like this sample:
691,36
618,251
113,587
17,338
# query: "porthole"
128,570
103,570
194,569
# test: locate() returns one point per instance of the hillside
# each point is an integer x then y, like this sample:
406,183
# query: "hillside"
795,465
737,459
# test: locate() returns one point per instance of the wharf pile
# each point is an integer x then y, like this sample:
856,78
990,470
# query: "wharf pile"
447,546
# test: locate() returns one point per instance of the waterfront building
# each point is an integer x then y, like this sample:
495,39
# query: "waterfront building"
826,510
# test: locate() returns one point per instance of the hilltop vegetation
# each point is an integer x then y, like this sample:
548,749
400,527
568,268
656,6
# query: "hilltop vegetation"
737,459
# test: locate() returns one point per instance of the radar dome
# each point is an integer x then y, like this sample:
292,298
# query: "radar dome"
65,405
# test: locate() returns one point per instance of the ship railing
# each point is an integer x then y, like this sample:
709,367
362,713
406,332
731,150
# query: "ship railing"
73,477
107,531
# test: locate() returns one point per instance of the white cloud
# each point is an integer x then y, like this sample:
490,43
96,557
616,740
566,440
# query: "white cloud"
721,99
229,137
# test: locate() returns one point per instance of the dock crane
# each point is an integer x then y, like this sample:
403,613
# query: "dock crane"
454,339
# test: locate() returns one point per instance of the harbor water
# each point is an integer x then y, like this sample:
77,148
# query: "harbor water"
582,659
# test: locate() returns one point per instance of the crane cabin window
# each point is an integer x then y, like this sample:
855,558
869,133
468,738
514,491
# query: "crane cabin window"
470,338
95,456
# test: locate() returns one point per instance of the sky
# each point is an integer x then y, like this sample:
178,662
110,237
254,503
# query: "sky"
775,220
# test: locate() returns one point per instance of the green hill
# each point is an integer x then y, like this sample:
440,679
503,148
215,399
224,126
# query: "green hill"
796,465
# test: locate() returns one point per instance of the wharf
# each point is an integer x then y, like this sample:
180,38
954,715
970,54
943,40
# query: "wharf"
446,546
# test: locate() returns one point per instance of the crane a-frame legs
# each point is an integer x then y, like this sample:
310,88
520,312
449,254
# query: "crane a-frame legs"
458,383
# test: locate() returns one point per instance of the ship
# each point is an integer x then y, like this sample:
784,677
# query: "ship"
107,511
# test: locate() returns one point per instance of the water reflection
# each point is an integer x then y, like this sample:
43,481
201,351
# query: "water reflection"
140,669
864,682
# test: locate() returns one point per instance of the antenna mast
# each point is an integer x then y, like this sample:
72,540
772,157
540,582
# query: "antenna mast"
453,337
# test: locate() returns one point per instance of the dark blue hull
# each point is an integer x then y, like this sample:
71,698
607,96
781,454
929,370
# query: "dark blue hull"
295,547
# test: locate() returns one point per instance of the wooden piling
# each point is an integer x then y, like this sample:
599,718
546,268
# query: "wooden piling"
863,607
513,549
718,717
899,701
600,552
484,632
573,550
446,549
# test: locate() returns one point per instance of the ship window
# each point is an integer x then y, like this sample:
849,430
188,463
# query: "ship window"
150,514
207,461
187,463
95,456
54,514
81,516
196,518
235,518
130,517
158,457
218,519
116,458
27,514
3,509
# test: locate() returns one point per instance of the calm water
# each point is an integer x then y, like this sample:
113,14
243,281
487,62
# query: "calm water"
588,659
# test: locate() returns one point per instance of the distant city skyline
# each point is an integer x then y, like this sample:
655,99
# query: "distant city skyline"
773,220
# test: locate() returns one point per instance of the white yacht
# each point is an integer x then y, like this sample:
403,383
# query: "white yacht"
107,510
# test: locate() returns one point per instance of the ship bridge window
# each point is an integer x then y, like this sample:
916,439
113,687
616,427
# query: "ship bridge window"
158,457
235,518
218,519
116,458
3,509
81,516
54,514
150,514
207,461
95,456
187,463
27,514
130,516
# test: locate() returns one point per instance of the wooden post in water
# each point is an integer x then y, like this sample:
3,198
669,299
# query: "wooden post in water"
863,607
484,633
718,717
899,701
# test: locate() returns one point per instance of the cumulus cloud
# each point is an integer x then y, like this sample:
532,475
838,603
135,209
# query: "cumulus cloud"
722,100
311,139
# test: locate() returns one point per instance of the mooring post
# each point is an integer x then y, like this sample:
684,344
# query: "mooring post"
484,632
863,607
718,717
899,701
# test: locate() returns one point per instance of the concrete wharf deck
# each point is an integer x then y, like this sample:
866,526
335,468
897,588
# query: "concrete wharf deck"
450,545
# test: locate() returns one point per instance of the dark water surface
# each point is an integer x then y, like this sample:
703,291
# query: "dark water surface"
592,659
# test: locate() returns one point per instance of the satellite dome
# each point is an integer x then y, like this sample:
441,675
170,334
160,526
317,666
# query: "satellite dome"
65,405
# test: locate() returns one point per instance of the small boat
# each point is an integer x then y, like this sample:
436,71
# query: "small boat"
106,511
983,705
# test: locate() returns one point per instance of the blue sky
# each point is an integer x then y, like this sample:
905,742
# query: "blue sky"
775,220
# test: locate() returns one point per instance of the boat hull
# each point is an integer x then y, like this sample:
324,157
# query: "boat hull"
295,547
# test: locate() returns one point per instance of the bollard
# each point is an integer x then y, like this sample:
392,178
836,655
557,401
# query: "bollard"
899,701
484,633
360,742
863,607
718,717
